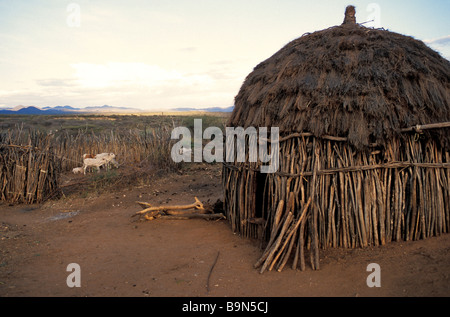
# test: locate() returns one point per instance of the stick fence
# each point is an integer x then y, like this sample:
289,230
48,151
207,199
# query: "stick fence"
31,161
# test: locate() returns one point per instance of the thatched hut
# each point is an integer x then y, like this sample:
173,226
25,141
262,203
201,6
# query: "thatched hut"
364,118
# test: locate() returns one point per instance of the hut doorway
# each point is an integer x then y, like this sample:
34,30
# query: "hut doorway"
260,199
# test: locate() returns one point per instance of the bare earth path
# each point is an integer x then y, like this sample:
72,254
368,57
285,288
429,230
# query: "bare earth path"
120,256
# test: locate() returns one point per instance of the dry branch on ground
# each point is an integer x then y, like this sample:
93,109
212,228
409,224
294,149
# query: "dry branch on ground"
178,212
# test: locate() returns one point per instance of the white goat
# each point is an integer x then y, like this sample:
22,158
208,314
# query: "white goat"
98,160
93,162
109,157
77,170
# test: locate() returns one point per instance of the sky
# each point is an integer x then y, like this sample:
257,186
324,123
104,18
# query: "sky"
158,55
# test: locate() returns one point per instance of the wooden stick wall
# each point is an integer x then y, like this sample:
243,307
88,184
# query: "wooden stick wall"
325,194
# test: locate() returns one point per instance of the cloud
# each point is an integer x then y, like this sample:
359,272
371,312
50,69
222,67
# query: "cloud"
133,74
441,44
445,40
188,49
134,84
55,82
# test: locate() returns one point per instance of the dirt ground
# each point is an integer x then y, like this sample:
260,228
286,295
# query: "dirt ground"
121,256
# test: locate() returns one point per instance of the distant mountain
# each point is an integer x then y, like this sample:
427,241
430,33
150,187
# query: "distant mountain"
61,110
107,108
212,109
30,110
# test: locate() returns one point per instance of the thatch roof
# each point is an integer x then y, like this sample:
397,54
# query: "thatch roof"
349,81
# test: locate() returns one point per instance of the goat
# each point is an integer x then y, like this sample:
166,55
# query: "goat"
93,162
109,157
77,170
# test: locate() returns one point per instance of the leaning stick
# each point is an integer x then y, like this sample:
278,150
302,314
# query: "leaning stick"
272,235
289,235
271,254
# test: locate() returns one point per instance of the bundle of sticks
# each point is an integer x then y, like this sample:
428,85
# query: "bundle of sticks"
197,210
283,236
